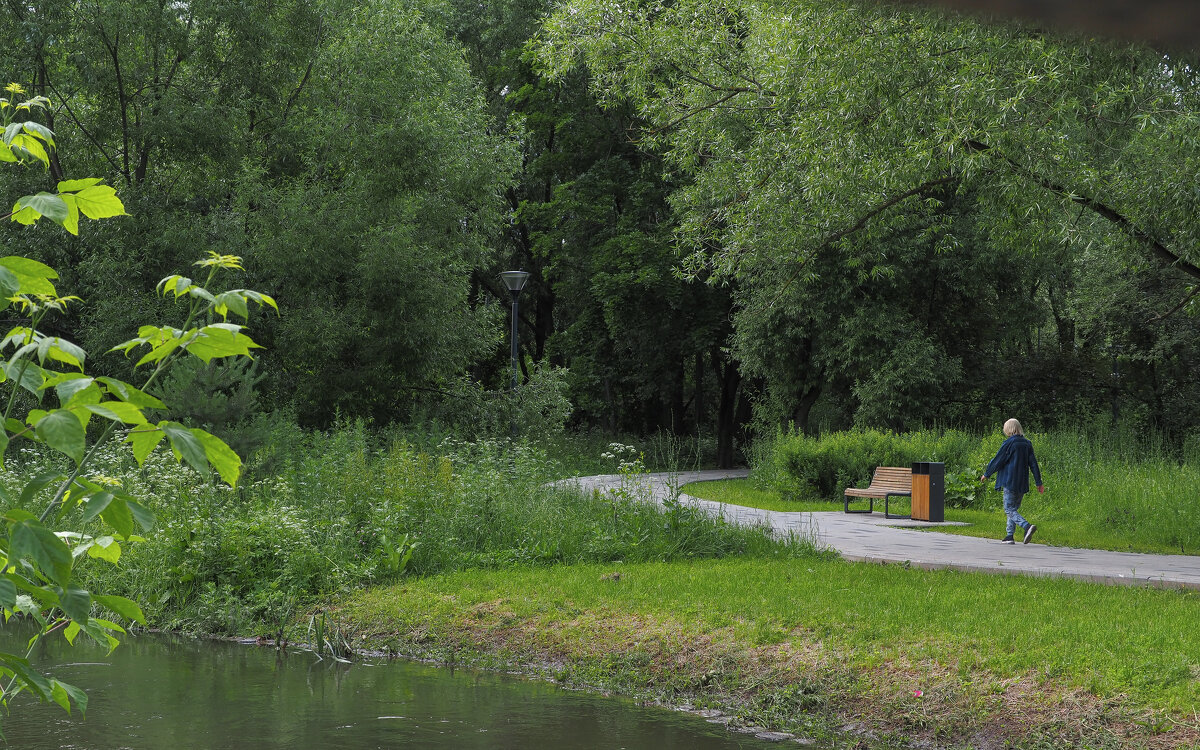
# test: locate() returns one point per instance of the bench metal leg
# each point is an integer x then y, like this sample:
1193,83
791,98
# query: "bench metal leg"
846,505
890,495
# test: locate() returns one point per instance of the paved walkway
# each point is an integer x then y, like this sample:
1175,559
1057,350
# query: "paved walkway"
873,538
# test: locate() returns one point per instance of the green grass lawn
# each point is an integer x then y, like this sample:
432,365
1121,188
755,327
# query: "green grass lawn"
960,633
1056,526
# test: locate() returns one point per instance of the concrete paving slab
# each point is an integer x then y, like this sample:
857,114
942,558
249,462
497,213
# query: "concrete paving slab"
873,538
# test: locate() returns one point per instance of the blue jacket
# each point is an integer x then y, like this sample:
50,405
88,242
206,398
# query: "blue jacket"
1012,465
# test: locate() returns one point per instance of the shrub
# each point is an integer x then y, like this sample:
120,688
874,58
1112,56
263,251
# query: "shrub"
821,467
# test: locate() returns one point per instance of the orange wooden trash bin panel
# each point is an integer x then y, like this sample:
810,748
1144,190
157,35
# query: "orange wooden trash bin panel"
929,491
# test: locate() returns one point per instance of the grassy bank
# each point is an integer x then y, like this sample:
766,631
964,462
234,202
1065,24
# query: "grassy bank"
809,645
1104,490
352,507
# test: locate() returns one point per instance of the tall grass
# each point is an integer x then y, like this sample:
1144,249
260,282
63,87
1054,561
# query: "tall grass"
1105,485
353,507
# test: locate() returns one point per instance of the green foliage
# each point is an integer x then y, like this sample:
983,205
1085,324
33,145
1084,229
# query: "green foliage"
408,202
807,467
44,559
926,219
220,397
538,408
352,508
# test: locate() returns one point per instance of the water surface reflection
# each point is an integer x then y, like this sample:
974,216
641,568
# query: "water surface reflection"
157,692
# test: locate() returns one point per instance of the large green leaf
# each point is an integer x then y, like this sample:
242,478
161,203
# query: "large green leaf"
99,202
159,352
95,505
227,463
143,515
29,208
127,392
118,411
8,592
38,483
77,603
126,608
68,384
34,277
98,630
185,445
27,146
39,130
105,548
221,340
29,539
144,440
70,186
28,678
64,432
46,596
9,284
231,301
31,376
117,514
71,223
61,350
78,697
11,131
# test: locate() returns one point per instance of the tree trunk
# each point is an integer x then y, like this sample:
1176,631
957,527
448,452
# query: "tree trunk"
804,408
730,380
677,407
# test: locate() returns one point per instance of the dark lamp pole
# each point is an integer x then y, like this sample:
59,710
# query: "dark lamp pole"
515,282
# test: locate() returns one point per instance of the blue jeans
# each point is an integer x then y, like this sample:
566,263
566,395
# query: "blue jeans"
1012,509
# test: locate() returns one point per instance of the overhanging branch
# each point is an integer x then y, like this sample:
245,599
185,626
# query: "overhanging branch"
1102,209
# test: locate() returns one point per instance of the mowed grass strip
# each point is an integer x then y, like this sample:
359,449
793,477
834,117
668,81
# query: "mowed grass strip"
1135,645
1059,524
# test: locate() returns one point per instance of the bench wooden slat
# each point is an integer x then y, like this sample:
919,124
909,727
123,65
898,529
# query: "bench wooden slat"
886,482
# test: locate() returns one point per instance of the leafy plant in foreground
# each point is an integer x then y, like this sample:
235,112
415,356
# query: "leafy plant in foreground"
43,554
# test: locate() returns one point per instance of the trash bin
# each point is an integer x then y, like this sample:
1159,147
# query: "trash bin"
929,491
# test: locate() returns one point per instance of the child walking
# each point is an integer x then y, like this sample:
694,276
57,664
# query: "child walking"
1012,465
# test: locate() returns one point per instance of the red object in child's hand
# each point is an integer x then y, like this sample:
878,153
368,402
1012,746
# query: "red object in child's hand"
1041,489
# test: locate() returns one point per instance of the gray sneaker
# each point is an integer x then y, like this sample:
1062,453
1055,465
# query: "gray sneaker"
1007,540
1029,533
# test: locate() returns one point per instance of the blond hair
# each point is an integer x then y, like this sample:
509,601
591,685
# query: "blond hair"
1012,427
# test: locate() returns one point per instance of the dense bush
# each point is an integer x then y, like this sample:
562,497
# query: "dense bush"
821,467
354,507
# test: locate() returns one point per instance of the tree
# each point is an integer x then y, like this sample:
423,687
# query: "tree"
395,196
819,137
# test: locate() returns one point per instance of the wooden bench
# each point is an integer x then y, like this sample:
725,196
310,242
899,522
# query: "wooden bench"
888,482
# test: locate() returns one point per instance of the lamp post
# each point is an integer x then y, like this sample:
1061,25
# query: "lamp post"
515,281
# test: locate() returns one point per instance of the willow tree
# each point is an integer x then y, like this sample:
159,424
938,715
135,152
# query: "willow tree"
815,132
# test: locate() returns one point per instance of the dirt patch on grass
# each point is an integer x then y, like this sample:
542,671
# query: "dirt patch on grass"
801,684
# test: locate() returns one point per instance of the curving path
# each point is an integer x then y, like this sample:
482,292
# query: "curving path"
873,538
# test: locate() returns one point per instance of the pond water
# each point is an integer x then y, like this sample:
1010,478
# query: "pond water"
160,691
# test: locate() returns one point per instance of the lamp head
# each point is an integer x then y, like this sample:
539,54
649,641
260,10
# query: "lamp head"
514,280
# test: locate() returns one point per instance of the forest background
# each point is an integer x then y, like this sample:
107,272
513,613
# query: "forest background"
737,217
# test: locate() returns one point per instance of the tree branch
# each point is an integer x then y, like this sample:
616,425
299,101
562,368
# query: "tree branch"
1176,308
862,222
696,110
1108,212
